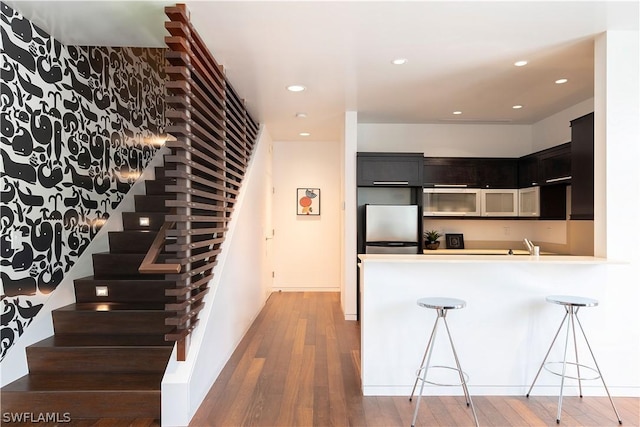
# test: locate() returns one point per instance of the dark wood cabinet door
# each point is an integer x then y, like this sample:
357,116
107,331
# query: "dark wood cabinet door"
553,202
582,159
555,165
497,173
450,171
389,169
528,171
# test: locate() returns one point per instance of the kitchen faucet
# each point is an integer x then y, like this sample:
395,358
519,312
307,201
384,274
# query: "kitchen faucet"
531,247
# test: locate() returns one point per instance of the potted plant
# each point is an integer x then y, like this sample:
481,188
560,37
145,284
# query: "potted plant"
431,239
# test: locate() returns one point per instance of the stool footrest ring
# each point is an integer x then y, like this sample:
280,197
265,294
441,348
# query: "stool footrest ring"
464,375
581,378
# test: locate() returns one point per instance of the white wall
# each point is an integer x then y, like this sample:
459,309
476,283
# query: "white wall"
349,288
238,293
617,136
555,130
442,140
307,249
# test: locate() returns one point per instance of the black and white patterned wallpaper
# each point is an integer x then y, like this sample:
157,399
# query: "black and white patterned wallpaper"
79,125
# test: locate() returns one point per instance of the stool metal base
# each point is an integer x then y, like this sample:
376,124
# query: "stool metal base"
424,367
572,306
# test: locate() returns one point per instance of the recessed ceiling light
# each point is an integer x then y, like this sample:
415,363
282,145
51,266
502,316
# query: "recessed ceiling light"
517,107
561,81
296,88
520,63
301,115
304,134
457,113
399,61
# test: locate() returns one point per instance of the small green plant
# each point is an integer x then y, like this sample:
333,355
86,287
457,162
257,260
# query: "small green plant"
431,236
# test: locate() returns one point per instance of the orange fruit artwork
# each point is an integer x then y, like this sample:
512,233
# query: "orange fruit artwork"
305,202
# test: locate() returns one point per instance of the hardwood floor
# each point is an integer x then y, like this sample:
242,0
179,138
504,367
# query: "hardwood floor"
298,365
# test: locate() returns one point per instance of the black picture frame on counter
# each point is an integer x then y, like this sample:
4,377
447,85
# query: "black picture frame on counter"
454,241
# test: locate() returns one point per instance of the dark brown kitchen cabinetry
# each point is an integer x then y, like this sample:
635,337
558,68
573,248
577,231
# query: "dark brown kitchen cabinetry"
555,165
450,172
470,172
389,169
528,171
553,202
497,173
546,167
582,165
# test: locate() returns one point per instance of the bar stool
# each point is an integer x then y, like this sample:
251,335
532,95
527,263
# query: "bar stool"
572,305
441,305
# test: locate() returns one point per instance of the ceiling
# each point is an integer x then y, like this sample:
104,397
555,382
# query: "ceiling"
460,55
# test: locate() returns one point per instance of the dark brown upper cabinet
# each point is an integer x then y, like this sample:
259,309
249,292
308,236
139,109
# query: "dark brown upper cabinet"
450,172
582,157
497,173
555,165
389,169
528,171
470,172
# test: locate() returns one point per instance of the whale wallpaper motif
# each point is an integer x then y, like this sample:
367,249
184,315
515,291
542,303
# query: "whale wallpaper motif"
78,127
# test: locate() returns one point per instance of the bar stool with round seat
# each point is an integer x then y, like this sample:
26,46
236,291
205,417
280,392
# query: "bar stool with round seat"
572,305
441,305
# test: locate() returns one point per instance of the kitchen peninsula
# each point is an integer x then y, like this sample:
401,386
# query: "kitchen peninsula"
504,331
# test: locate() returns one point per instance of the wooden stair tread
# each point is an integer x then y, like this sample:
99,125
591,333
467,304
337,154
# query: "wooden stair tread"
102,340
112,307
142,279
132,277
100,382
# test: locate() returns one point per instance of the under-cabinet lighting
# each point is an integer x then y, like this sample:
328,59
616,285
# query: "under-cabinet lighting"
457,113
521,63
304,134
561,81
144,221
517,107
399,61
103,307
102,291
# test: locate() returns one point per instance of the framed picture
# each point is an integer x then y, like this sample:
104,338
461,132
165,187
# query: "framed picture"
308,201
454,241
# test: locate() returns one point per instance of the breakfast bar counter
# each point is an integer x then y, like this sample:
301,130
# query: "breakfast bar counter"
502,334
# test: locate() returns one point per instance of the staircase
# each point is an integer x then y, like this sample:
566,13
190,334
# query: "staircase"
107,356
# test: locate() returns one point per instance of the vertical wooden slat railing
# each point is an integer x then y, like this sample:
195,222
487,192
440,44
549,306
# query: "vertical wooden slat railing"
214,137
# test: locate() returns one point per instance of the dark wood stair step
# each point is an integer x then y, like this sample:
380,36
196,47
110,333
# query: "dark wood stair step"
151,203
157,186
130,241
112,266
49,355
160,171
110,395
131,220
104,340
110,318
123,290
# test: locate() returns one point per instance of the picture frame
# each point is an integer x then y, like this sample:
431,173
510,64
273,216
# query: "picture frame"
308,201
455,241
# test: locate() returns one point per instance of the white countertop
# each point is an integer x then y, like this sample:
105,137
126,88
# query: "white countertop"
467,258
480,252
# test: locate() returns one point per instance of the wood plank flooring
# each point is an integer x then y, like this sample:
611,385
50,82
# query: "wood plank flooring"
298,365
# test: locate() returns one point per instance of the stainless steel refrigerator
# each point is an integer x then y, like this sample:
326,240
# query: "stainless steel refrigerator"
391,229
